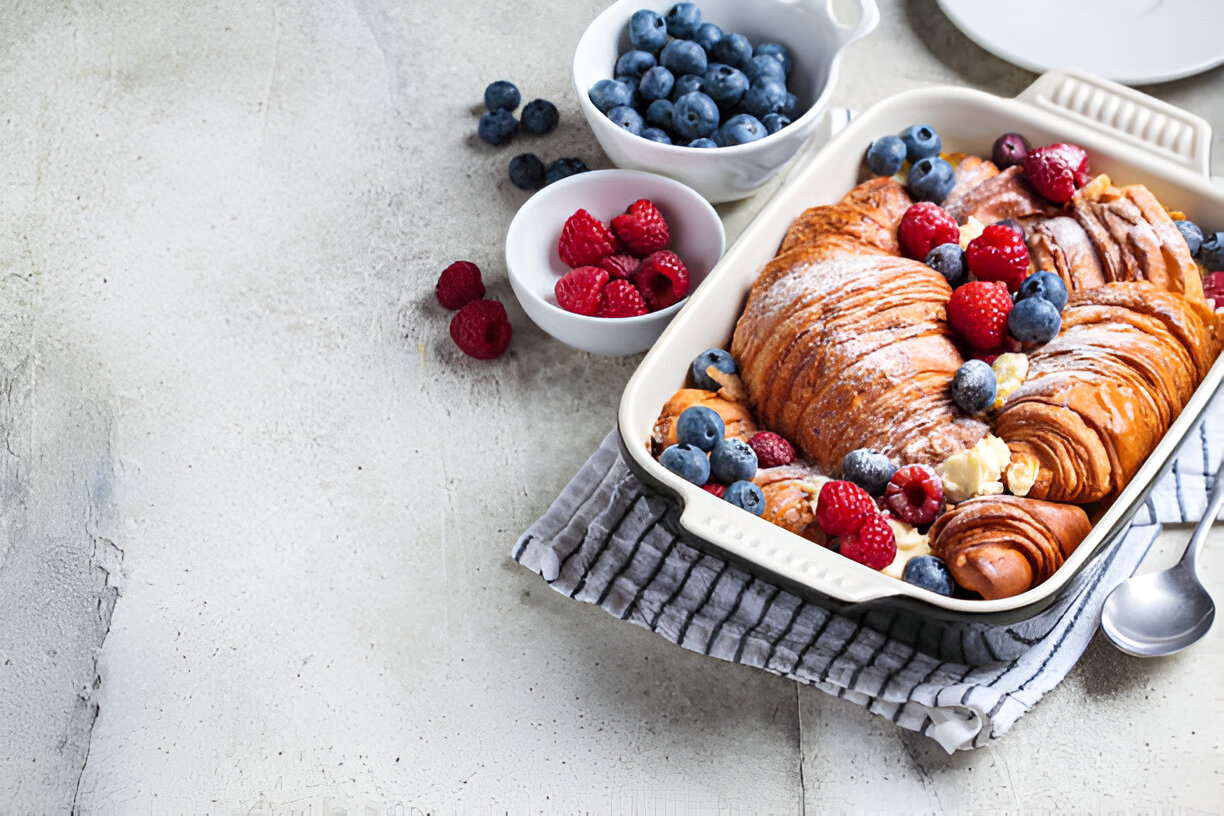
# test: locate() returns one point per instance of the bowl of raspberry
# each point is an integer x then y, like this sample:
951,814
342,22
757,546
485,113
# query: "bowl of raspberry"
603,260
719,94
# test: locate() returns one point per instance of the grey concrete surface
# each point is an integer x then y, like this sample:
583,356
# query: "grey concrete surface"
257,507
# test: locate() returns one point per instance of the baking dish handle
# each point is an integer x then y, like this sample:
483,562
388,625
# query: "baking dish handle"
832,579
1125,113
868,19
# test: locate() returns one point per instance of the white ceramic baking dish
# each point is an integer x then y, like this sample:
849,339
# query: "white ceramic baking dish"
1130,136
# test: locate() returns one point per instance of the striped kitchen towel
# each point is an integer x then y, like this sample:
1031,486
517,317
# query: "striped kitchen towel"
609,541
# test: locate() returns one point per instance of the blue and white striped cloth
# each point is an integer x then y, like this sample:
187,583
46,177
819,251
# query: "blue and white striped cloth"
609,541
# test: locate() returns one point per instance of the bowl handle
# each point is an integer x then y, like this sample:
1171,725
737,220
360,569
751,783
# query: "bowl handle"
869,18
1124,113
734,530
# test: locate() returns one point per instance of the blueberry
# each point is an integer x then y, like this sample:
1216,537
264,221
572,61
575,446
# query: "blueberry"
497,127
791,106
733,49
655,134
627,118
659,114
631,85
868,469
696,115
501,95
703,142
921,141
746,496
774,122
1046,285
647,31
731,460
1034,320
778,52
720,359
700,427
564,168
741,129
885,155
1211,253
930,179
949,260
607,94
656,83
686,462
527,171
724,84
683,20
1009,149
763,67
684,57
707,34
687,83
1192,233
764,98
635,62
928,572
974,386
539,116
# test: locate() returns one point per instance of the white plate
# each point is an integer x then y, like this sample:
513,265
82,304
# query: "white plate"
1129,41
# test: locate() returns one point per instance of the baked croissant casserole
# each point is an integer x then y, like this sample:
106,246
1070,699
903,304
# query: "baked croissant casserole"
962,422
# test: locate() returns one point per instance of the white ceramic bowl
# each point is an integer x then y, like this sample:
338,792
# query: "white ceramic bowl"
534,266
808,29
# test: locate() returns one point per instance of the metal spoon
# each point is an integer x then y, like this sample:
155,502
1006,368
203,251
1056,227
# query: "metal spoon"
1162,613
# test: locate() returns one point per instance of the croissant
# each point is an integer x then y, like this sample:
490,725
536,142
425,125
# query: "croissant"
1135,237
735,416
790,497
864,221
851,352
1005,195
970,171
1060,245
1101,395
999,546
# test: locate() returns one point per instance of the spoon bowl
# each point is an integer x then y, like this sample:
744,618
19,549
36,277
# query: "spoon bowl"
1162,613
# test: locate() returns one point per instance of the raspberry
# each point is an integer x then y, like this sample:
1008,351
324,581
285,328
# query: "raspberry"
585,241
620,265
620,298
925,226
459,284
999,254
481,329
978,311
641,228
914,494
873,544
771,449
714,488
842,506
662,278
1057,171
578,290
1213,287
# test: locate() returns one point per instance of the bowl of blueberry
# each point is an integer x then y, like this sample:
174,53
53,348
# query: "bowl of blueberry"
720,94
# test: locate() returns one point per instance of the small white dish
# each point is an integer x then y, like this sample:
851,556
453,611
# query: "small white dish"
534,266
809,30
1129,41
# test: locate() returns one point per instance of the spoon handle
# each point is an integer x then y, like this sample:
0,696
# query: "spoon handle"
1214,502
